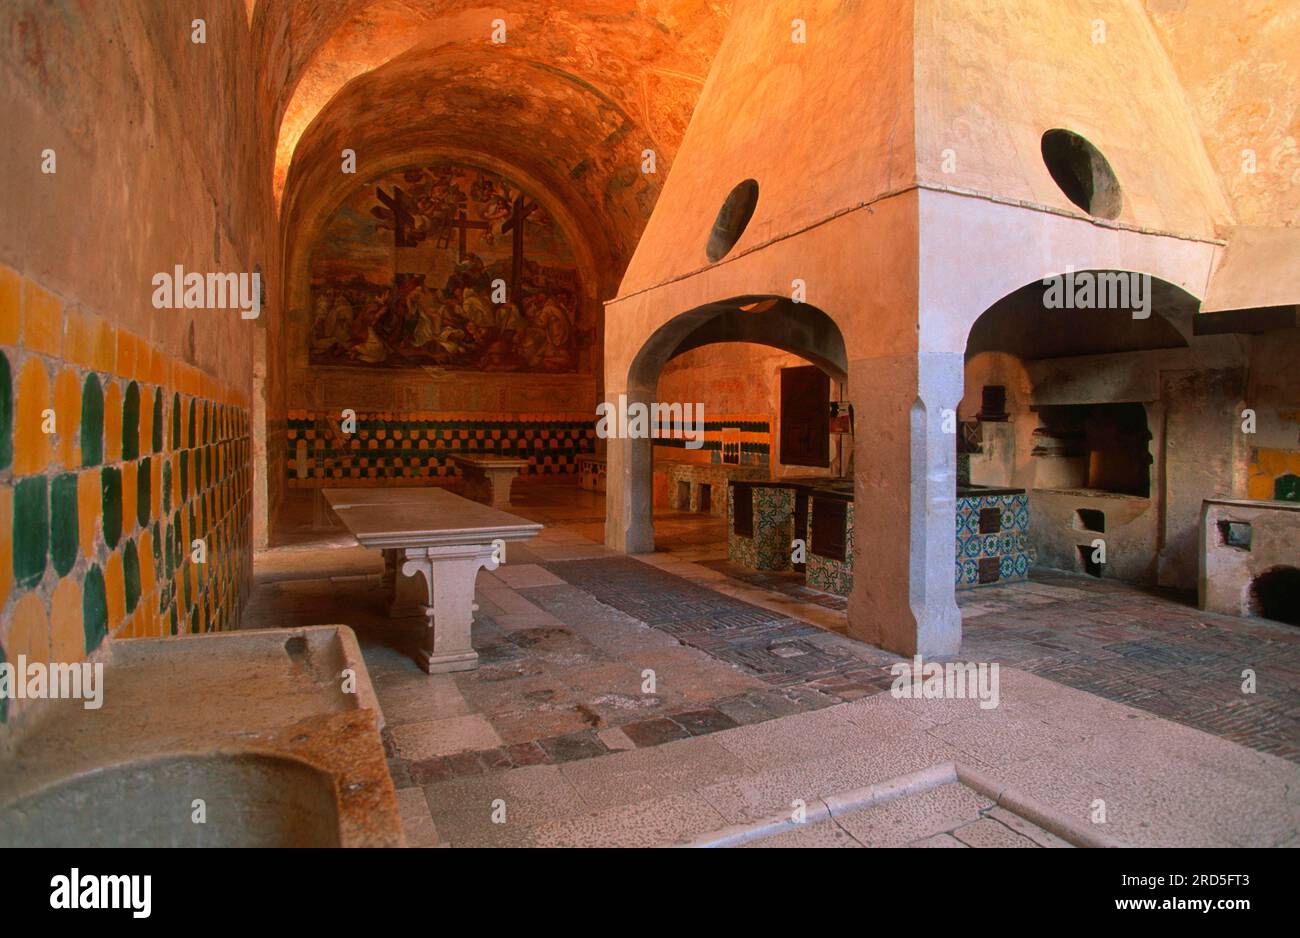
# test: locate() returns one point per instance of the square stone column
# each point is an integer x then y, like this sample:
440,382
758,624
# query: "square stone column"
905,498
629,491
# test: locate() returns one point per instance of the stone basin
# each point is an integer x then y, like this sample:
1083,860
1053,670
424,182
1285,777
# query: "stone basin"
251,731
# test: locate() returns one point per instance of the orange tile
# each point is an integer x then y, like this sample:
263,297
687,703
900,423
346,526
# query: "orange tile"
129,472
159,369
78,342
114,585
146,420
112,422
105,345
11,305
143,360
67,635
32,445
125,365
6,542
42,320
90,506
67,407
29,632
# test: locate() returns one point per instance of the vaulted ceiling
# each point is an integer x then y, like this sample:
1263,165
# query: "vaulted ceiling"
570,100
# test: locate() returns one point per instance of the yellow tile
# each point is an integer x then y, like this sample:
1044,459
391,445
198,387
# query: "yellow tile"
11,305
67,407
29,632
67,636
31,443
112,422
42,320
90,506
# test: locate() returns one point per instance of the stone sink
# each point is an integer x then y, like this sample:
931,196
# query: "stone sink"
224,739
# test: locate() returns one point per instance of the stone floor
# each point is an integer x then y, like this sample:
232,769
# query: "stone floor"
655,699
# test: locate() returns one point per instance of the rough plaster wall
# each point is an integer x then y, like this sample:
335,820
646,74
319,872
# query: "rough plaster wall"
1239,65
823,127
992,77
158,163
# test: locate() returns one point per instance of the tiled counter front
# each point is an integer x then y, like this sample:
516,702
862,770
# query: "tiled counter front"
826,573
416,449
769,547
991,556
99,516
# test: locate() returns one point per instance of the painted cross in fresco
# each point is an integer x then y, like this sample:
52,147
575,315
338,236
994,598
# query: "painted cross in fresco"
522,209
463,223
403,219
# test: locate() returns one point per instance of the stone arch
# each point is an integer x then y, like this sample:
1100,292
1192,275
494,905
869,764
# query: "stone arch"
798,328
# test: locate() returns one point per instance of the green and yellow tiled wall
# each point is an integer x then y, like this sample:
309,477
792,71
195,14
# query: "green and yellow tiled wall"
114,458
1274,474
416,448
751,439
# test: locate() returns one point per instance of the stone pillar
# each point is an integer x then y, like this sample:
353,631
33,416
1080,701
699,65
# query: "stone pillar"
905,502
629,489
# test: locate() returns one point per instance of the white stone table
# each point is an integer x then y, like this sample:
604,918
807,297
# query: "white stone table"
489,477
444,537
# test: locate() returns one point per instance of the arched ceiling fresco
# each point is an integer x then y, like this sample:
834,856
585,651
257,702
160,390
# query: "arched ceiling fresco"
577,91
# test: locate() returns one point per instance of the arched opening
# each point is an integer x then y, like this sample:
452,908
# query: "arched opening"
1073,387
766,374
1275,594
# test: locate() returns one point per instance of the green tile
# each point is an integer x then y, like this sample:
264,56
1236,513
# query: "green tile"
63,523
157,420
173,620
131,422
190,434
1286,488
185,475
111,478
194,621
94,608
176,421
31,530
144,492
131,576
6,413
157,543
166,486
92,422
169,551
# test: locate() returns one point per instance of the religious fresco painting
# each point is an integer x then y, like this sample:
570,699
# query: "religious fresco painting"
407,270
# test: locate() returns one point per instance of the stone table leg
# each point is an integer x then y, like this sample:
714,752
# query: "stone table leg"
407,595
449,573
499,481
